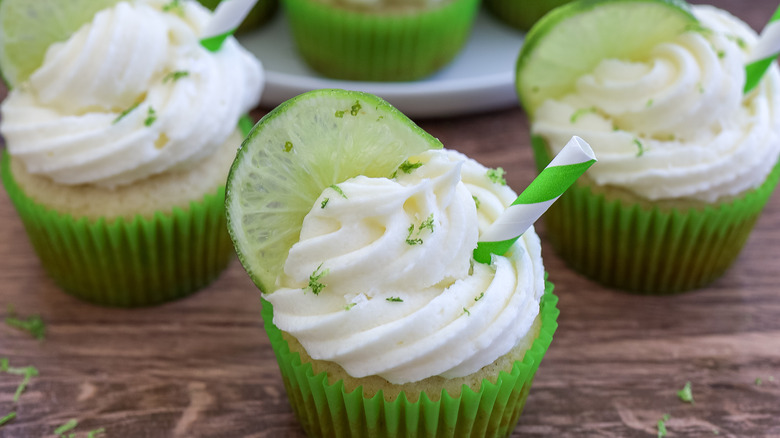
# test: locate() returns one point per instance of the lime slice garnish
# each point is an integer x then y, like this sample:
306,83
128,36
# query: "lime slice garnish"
29,27
571,40
306,144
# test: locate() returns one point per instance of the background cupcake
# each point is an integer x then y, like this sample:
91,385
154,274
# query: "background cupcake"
118,148
262,11
379,40
521,14
686,159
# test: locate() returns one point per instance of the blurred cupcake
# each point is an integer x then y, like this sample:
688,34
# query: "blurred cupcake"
118,147
687,161
380,40
263,11
521,14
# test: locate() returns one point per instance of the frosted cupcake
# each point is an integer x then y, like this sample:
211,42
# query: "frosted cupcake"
118,148
382,322
521,14
380,40
260,14
686,160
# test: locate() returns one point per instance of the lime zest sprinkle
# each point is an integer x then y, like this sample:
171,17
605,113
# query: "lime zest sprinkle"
427,223
125,112
721,54
640,146
355,108
349,306
338,190
697,27
151,116
662,426
339,114
716,431
175,76
324,202
476,201
497,176
173,6
407,167
394,299
686,394
479,297
96,432
10,416
380,118
466,311
740,42
409,239
701,88
33,324
70,425
314,280
758,381
649,103
288,146
581,112
28,372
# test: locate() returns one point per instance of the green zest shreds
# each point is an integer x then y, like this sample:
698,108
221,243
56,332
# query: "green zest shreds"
175,76
151,116
641,147
409,240
581,112
7,418
324,202
70,425
758,381
314,280
662,426
482,294
33,324
466,311
497,176
686,394
427,223
125,112
394,299
174,6
349,306
288,146
28,373
96,432
338,190
407,167
476,201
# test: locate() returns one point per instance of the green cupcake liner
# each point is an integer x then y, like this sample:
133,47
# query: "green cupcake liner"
328,410
649,249
521,14
390,46
128,262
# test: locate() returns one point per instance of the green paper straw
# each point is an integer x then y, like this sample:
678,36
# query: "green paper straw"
570,163
227,17
764,52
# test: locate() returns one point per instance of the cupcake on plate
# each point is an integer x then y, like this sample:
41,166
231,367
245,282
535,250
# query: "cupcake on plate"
687,160
118,147
380,40
382,322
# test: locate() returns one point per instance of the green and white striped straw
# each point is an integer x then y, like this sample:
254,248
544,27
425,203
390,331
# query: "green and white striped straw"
764,53
570,163
227,17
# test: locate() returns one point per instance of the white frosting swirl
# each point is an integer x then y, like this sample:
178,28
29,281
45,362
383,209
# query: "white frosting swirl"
402,308
65,122
675,125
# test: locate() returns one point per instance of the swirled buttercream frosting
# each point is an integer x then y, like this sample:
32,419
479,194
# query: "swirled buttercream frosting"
383,283
675,125
129,95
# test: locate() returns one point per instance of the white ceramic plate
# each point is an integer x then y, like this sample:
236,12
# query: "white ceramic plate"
480,79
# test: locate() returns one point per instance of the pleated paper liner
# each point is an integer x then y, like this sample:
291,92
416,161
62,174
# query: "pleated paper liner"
645,248
328,410
127,263
521,14
379,46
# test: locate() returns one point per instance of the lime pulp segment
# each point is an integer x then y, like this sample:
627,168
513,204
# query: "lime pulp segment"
571,40
28,28
306,144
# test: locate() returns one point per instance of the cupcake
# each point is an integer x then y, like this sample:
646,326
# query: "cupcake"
118,147
686,159
382,322
261,12
379,40
521,14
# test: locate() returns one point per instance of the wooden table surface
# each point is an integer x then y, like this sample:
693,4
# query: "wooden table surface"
203,367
